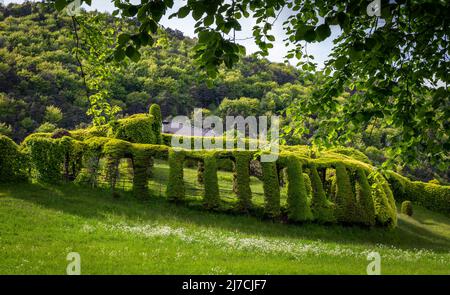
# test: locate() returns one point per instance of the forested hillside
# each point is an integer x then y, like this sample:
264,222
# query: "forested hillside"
38,70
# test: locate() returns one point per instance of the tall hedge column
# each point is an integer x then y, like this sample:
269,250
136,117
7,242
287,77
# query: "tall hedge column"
141,164
155,111
321,207
211,184
271,189
242,180
297,201
175,187
347,210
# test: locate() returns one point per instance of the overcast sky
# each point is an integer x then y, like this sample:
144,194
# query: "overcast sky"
319,50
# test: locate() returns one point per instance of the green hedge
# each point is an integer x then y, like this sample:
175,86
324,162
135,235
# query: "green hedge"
212,197
12,161
271,189
155,112
385,209
138,128
241,179
322,209
297,200
347,210
429,195
175,188
364,198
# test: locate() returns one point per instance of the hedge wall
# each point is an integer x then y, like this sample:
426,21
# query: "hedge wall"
431,196
12,161
211,184
322,208
137,128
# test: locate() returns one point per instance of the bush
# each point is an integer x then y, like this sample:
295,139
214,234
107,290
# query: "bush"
431,196
385,209
407,208
12,161
242,180
137,129
175,187
211,183
376,155
59,133
351,152
155,111
347,210
297,201
53,114
364,198
322,209
46,127
271,189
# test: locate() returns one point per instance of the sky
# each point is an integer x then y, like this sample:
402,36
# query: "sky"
320,51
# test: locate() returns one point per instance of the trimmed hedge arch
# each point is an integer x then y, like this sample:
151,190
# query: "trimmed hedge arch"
356,194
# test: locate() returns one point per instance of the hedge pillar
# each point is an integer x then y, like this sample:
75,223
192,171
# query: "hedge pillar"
297,201
141,164
322,209
175,188
364,198
241,178
271,189
212,197
346,206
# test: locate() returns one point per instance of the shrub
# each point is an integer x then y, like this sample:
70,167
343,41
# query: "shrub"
347,210
137,129
53,114
242,180
434,181
211,183
322,209
364,198
407,208
308,185
175,187
46,127
297,201
431,196
12,161
385,213
155,111
271,189
351,152
142,163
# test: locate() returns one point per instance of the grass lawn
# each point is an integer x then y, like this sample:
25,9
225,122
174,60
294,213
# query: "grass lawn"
40,225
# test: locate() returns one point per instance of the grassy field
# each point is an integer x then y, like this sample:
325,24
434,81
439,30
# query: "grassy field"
40,225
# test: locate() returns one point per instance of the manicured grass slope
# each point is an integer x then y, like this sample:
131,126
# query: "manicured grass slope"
39,225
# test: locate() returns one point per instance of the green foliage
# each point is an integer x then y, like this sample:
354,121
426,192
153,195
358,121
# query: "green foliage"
155,111
271,189
12,161
351,152
137,129
384,203
407,208
53,115
432,196
142,163
322,208
364,198
347,210
175,187
211,183
242,179
376,155
46,127
5,129
243,106
297,200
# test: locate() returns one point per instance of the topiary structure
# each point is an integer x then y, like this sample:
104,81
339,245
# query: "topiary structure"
357,194
407,208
